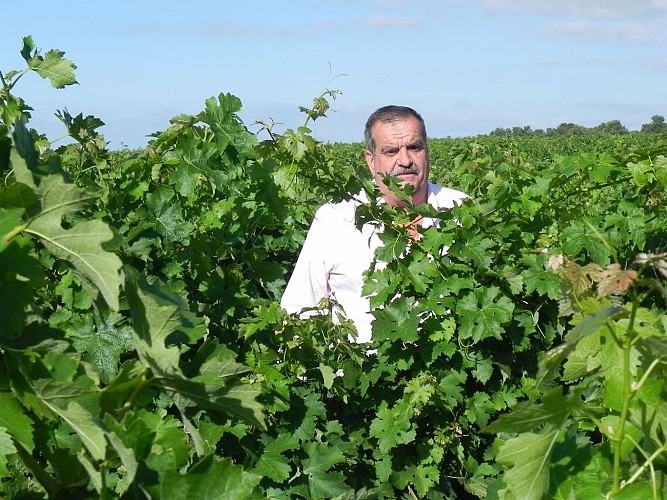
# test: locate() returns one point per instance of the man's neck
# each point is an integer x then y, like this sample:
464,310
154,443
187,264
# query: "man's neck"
422,198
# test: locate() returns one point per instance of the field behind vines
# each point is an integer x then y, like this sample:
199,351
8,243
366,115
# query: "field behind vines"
144,354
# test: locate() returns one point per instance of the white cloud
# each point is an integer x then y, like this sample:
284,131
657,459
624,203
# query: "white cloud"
639,22
387,21
654,64
635,33
590,9
390,4
153,28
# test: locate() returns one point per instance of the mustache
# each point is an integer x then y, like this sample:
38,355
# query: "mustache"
398,170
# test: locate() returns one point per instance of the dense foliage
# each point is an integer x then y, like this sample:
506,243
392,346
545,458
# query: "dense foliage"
519,349
612,127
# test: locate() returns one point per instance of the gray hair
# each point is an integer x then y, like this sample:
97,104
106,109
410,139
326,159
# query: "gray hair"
390,114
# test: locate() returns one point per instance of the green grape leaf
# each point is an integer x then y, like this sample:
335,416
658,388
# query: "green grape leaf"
552,359
221,116
391,427
514,279
15,196
314,410
20,274
527,415
577,470
628,224
528,457
81,244
76,402
483,312
476,250
102,346
273,465
543,282
396,322
156,314
423,477
328,375
419,390
321,457
169,221
421,272
126,455
23,156
52,66
238,399
639,490
6,448
327,485
209,479
578,236
14,419
83,130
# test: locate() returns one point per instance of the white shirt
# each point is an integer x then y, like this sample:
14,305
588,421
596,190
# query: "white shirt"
336,254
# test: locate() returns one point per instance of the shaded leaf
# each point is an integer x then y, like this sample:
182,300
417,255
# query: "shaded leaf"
590,324
527,415
14,419
208,479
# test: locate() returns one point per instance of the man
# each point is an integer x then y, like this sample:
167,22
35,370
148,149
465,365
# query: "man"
336,254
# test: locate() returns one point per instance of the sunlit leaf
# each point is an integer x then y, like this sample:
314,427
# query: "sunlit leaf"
81,244
528,458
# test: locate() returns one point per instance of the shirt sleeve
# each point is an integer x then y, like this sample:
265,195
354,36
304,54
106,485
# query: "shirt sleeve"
309,282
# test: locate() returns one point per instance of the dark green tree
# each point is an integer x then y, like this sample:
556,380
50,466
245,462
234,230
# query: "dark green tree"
567,129
613,127
657,125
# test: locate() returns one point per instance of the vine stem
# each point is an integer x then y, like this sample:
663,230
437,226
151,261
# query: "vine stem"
628,394
128,404
646,465
15,232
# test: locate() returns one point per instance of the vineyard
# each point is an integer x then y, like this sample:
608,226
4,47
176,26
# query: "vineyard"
144,353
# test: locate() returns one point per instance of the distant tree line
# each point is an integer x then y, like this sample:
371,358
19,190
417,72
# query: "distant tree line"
613,127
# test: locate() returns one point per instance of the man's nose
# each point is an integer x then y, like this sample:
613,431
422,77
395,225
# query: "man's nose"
404,158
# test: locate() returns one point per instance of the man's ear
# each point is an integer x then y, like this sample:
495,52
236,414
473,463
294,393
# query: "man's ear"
370,161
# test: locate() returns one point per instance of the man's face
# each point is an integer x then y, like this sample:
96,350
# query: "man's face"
400,151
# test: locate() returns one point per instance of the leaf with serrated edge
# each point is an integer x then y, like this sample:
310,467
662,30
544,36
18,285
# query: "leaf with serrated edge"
528,457
14,419
208,479
483,312
80,245
156,315
526,416
53,66
273,465
590,324
321,457
68,402
6,448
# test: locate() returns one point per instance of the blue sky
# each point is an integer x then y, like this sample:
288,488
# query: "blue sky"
467,66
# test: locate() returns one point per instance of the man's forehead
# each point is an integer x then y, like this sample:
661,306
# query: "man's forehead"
396,130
